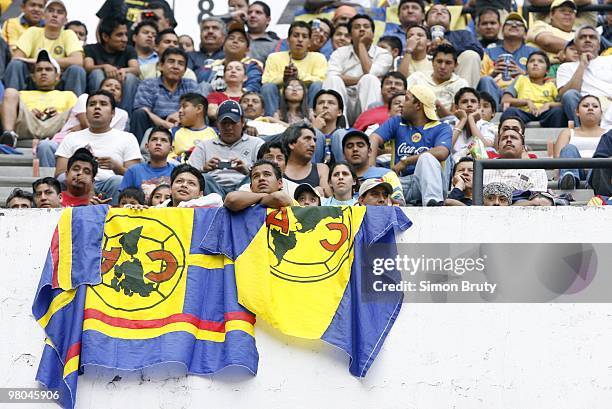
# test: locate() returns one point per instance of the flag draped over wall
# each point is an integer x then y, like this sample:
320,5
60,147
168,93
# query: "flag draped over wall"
127,290
300,269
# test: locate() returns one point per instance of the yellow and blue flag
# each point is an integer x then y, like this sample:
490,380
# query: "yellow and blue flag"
126,290
300,269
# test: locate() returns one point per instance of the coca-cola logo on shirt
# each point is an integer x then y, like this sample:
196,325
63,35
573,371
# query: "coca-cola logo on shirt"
407,150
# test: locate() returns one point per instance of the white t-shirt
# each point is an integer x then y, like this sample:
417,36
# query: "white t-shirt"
119,145
597,79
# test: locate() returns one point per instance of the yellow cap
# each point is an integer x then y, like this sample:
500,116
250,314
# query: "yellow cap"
427,98
559,3
517,17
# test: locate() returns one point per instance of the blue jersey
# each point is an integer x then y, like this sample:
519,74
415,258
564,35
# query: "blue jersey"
520,55
411,140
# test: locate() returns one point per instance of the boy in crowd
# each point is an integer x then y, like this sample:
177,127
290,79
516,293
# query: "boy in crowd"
394,46
47,193
80,174
146,176
306,195
470,124
192,125
532,98
131,196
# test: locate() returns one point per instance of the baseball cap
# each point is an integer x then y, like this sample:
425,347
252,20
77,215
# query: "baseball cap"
516,17
229,109
426,96
369,184
305,187
43,55
355,133
559,3
50,2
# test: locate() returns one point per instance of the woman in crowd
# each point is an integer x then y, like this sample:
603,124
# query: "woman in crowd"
343,183
580,142
293,103
159,195
234,77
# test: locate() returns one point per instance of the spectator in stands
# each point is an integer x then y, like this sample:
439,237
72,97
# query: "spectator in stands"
470,125
298,62
112,57
529,198
511,145
258,124
496,194
187,189
147,175
469,50
409,12
443,81
266,189
329,126
212,36
186,43
20,199
606,29
80,29
343,184
235,48
488,106
228,157
157,99
591,75
322,30
77,120
234,77
81,171
165,39
392,83
272,151
131,196
568,54
421,145
47,193
159,195
63,45
488,25
580,142
532,98
293,103
354,71
252,105
115,151
357,150
263,43
461,183
143,37
582,17
394,46
343,15
375,192
415,52
299,144
494,65
5,58
553,37
192,127
601,179
165,16
341,37
40,113
307,195
31,16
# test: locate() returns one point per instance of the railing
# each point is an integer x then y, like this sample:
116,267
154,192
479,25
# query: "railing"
560,163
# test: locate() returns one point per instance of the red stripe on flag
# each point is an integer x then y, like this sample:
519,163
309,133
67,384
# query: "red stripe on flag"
55,257
158,323
242,316
73,351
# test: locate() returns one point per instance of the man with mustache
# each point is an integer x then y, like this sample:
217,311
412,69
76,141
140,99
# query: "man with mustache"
511,145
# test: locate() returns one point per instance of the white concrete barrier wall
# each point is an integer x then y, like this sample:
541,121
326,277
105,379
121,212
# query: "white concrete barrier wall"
468,356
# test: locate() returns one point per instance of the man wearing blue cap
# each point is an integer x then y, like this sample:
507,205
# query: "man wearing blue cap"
228,157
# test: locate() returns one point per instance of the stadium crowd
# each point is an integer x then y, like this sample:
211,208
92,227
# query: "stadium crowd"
341,112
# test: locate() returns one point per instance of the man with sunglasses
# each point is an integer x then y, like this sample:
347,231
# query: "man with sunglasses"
511,145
